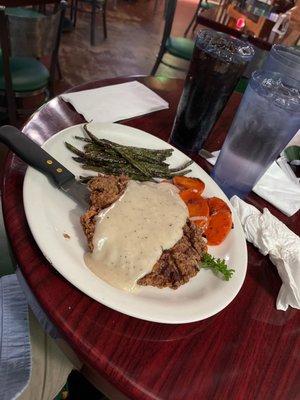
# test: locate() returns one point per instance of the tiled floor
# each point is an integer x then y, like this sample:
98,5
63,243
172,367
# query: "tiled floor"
134,35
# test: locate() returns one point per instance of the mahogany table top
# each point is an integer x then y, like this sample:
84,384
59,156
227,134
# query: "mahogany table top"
248,351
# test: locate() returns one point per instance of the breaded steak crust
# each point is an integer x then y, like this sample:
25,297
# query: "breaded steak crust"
176,265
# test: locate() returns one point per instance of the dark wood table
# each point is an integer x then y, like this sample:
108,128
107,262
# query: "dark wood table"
248,351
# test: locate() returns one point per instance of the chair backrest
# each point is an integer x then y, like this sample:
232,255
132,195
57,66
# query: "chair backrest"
26,36
281,27
33,36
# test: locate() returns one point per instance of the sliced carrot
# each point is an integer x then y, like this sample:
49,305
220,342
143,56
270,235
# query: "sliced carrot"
184,182
219,226
196,204
198,208
216,204
189,195
201,222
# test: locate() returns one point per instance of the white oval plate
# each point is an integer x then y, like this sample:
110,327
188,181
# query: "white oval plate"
51,214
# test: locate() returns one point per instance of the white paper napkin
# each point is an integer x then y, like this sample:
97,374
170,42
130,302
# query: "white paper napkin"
116,102
272,237
276,187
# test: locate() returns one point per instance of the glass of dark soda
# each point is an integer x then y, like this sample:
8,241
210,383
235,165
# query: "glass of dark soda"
217,64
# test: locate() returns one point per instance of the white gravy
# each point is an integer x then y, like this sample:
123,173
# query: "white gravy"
131,235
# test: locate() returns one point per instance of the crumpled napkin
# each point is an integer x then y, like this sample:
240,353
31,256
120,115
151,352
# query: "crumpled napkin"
282,245
116,102
276,187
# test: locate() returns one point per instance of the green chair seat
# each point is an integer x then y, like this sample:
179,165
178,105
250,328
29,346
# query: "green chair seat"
22,12
180,47
28,74
207,6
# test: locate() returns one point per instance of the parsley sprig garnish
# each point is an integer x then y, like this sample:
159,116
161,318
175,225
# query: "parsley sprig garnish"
217,265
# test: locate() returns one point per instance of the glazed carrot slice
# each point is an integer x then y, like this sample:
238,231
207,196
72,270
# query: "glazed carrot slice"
198,208
201,222
196,204
189,195
219,226
184,182
215,204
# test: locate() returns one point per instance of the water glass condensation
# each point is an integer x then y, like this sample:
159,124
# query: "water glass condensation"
286,61
267,119
217,64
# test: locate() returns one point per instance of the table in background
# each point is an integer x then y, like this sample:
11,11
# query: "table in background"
247,351
259,26
215,21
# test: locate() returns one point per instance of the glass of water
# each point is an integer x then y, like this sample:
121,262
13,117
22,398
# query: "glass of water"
286,61
267,119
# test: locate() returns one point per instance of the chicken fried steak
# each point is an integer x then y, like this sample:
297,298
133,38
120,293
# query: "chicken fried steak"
176,265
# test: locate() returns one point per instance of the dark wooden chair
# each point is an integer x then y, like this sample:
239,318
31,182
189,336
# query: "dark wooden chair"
25,40
202,6
95,6
179,47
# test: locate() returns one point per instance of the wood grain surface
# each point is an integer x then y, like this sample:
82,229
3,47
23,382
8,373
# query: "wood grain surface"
248,351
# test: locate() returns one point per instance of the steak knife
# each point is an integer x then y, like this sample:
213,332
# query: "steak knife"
31,153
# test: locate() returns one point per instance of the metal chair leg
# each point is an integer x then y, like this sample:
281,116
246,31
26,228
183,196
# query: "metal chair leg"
196,23
194,20
104,20
11,108
75,9
158,61
93,22
71,10
59,70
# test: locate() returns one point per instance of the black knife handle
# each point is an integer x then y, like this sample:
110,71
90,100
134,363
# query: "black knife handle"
34,155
